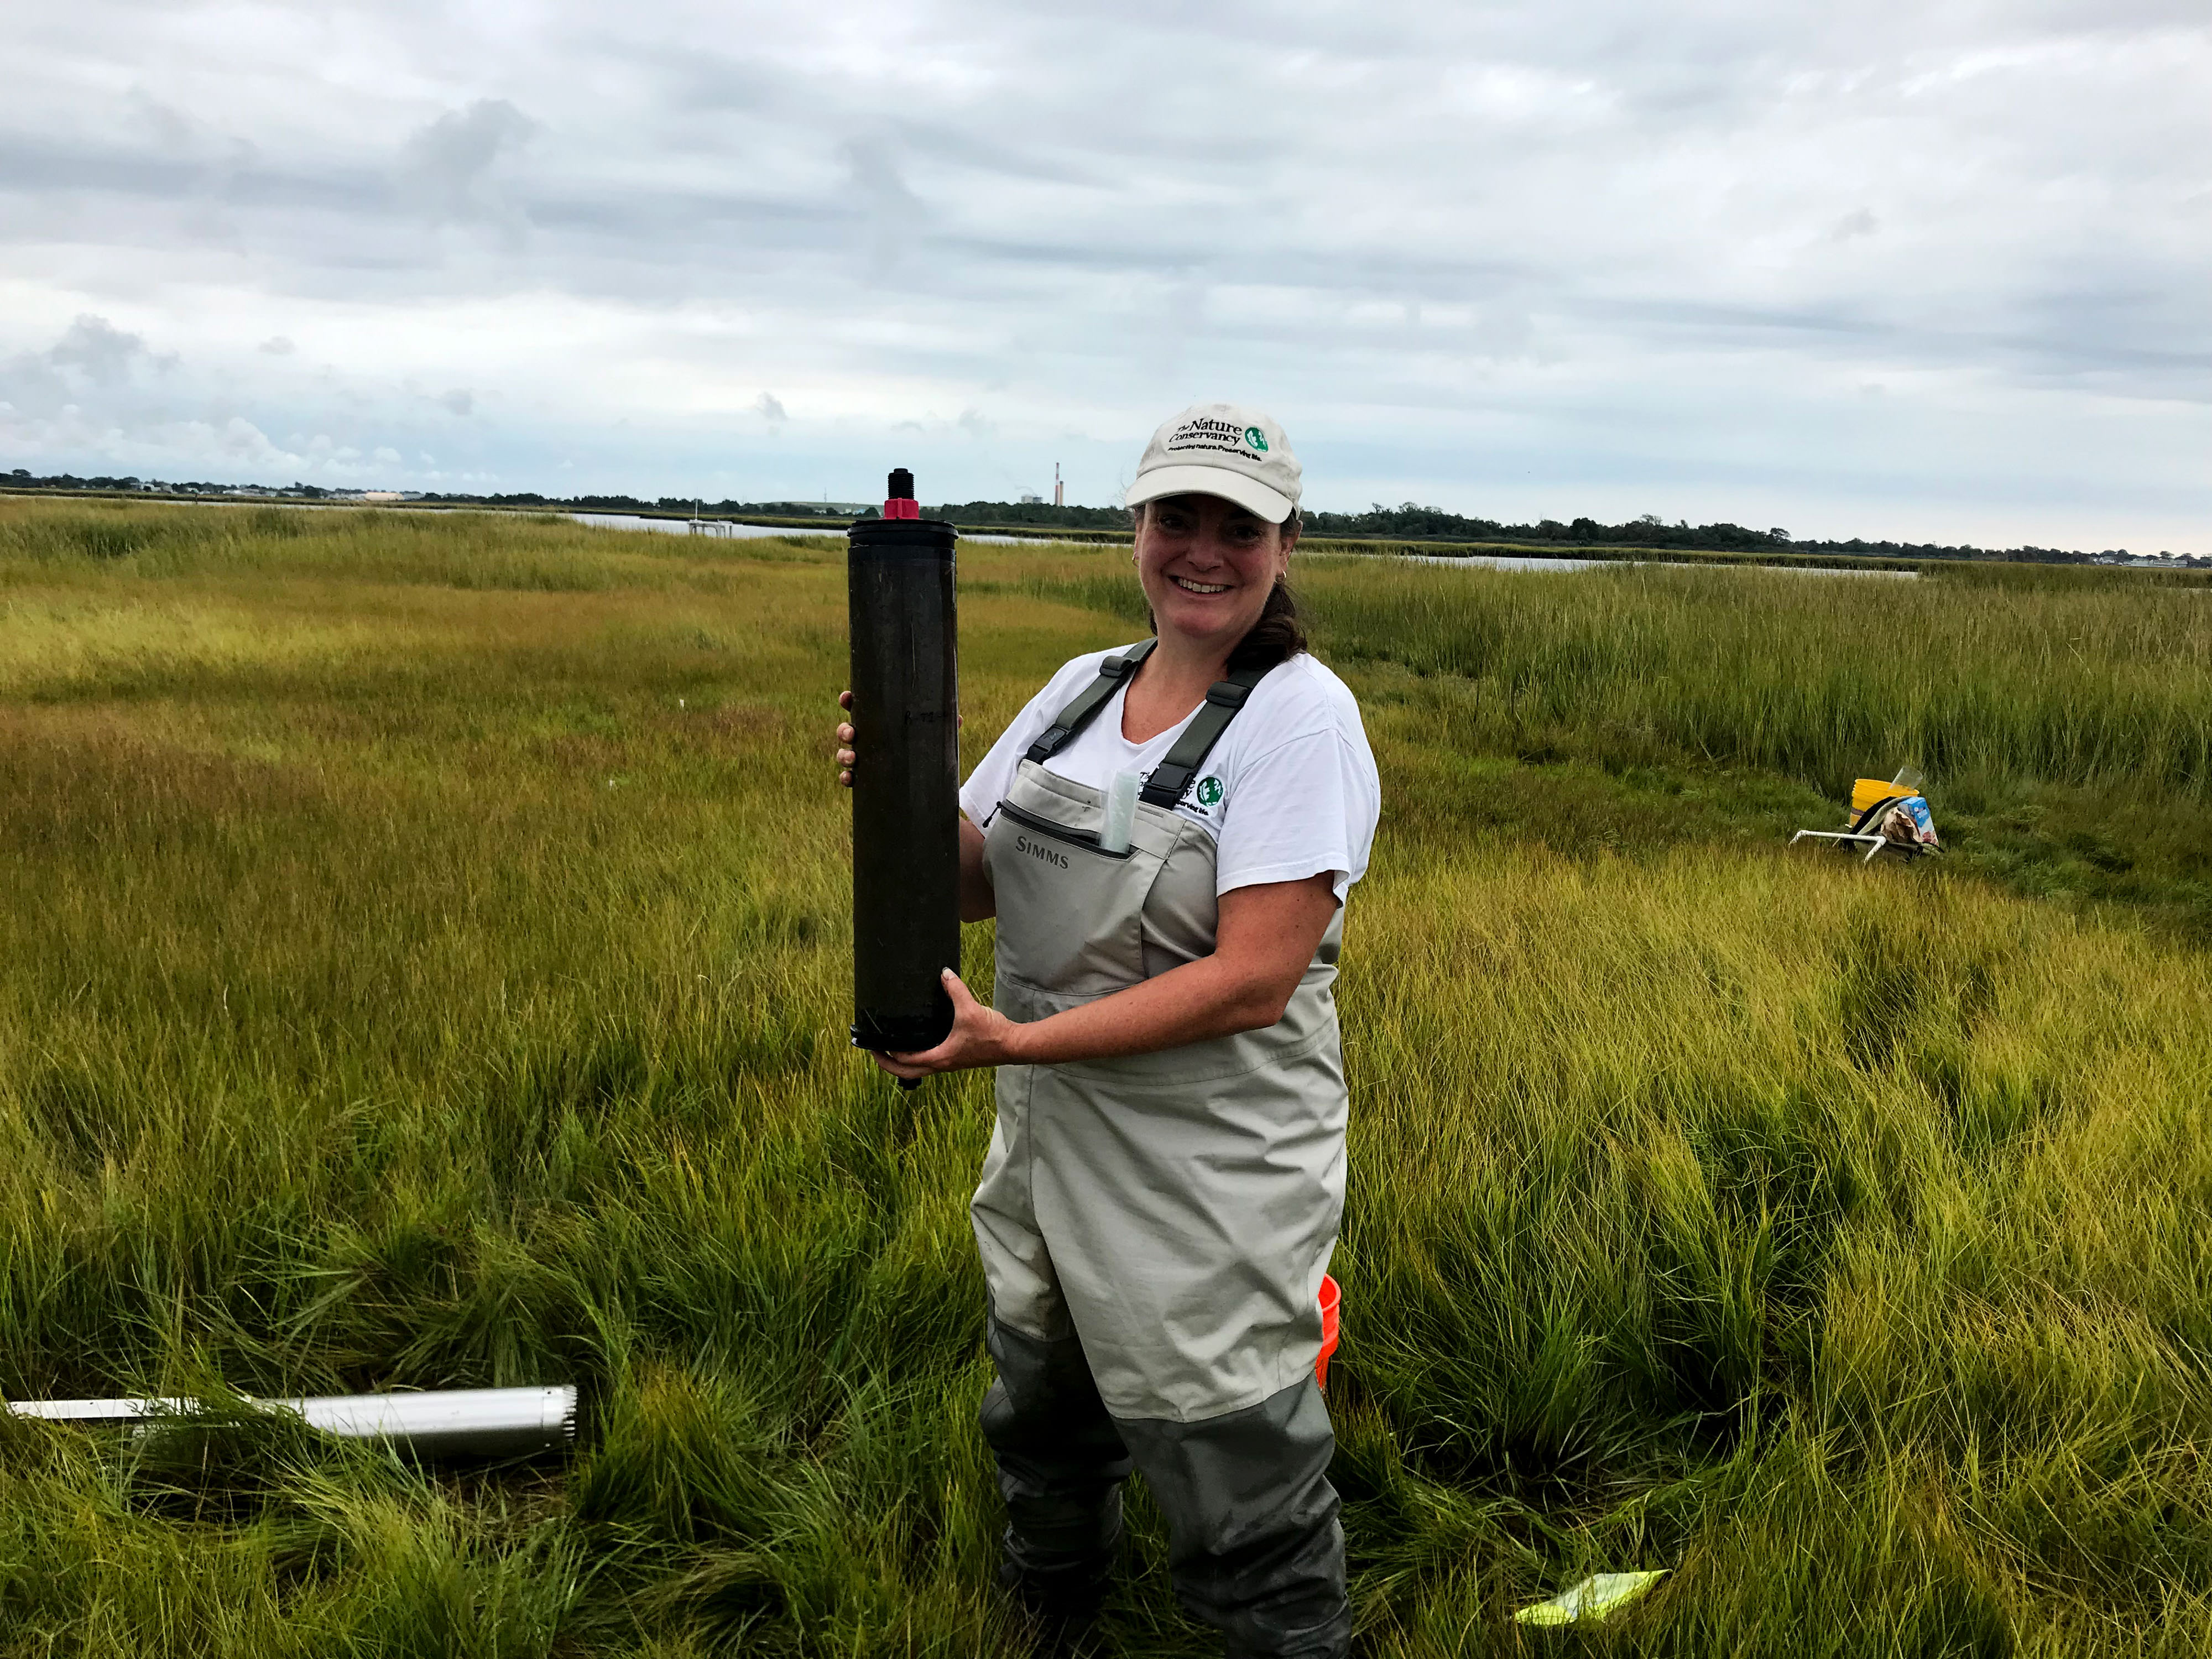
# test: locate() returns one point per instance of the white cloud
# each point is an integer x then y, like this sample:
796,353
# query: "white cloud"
1516,259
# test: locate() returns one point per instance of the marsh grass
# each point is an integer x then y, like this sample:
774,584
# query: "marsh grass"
422,964
2099,680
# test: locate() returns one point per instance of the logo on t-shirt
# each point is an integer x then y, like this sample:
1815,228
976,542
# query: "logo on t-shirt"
1209,791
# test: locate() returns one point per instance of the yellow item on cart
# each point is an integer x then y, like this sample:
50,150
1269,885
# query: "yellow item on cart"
1867,791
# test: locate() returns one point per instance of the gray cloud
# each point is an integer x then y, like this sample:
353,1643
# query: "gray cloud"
1578,247
894,217
448,166
102,353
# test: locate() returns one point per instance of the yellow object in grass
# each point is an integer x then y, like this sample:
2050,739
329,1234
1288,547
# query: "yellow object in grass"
1598,1596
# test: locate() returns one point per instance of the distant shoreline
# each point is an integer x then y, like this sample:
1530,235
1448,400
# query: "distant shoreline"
1781,555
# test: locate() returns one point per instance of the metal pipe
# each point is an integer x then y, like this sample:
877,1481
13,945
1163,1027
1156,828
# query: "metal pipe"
906,808
1874,844
447,1422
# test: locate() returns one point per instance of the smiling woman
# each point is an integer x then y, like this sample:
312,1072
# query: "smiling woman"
1166,1174
1179,528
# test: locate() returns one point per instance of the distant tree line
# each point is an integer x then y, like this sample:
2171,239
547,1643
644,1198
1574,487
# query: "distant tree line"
684,504
1044,513
1407,521
21,478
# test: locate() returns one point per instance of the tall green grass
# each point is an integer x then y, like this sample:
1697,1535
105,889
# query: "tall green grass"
2106,680
422,964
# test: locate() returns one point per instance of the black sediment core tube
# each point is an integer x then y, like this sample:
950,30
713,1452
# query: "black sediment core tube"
906,834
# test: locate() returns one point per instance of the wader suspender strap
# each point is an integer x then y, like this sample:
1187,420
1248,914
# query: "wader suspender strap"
1223,698
1077,715
1172,777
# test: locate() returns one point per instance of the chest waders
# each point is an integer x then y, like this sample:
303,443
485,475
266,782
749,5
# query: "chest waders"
1154,1228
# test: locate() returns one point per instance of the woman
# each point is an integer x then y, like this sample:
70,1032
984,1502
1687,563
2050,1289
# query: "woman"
1164,1181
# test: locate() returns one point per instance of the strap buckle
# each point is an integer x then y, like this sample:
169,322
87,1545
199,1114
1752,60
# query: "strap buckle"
1166,784
1227,694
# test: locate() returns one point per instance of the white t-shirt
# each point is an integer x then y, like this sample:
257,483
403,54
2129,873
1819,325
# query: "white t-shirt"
1290,790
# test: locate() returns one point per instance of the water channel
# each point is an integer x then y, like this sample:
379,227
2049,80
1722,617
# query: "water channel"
731,527
1514,561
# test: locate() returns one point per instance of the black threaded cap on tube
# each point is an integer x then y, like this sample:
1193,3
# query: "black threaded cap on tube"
901,488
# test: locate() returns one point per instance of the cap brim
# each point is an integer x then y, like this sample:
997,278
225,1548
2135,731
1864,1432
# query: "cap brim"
1250,493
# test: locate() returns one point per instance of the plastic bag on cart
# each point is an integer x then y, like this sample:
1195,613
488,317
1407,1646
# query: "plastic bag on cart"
1910,823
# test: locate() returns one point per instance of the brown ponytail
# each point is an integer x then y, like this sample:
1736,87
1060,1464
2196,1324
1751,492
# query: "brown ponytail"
1279,635
1276,637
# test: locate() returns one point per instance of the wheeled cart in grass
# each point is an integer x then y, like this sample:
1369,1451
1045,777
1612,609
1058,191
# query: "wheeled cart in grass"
1889,817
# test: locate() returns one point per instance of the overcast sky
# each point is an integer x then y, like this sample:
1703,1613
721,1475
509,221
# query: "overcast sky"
1926,269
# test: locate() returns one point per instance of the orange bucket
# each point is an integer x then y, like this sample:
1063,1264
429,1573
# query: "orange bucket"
1330,1296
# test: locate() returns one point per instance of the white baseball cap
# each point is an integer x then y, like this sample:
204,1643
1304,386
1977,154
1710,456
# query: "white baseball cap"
1221,449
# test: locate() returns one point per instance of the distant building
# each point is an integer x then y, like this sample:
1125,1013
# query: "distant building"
1032,501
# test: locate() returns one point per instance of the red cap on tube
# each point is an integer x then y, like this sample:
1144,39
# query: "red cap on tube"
899,501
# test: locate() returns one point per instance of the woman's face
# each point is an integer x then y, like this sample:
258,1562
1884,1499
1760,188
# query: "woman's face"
1207,566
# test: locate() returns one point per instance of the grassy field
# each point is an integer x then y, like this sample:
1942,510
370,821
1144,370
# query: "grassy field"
423,962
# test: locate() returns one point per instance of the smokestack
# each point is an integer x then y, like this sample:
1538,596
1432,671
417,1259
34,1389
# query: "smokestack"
906,716
1059,490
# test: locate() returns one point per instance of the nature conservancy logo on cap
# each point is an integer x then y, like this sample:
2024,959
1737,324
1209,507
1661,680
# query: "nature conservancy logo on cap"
1209,791
1206,432
1227,450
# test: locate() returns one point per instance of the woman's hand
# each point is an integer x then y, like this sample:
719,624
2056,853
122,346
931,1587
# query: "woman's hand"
1267,937
845,755
979,1036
